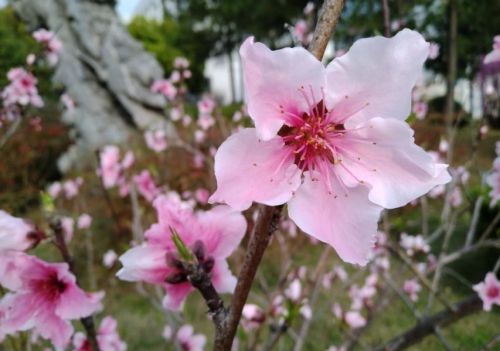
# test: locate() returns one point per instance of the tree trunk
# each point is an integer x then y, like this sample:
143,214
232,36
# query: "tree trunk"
104,70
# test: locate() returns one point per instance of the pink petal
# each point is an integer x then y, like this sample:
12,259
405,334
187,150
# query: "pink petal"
272,82
378,71
223,280
75,303
248,169
51,327
144,263
176,294
397,170
223,230
348,224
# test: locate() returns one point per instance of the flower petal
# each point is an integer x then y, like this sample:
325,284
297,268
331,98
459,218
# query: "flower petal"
248,169
382,153
347,223
223,228
176,294
380,72
144,263
75,303
272,83
223,280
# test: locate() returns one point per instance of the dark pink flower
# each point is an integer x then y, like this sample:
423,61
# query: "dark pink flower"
43,297
331,142
212,235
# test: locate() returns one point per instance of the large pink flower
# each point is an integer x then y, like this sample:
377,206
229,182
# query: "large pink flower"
44,297
220,230
332,142
17,233
489,291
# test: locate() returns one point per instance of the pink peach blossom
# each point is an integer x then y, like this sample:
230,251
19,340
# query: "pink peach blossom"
68,101
206,105
190,341
164,87
294,291
252,316
146,185
167,332
493,180
202,196
355,319
156,140
109,258
43,297
68,226
84,221
420,109
54,189
181,63
489,291
108,338
17,233
412,288
218,231
21,90
433,51
332,143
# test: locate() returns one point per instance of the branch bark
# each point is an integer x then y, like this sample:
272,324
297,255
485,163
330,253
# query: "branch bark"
327,20
427,326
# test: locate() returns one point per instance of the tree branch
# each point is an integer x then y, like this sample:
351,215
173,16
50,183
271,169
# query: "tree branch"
327,20
427,326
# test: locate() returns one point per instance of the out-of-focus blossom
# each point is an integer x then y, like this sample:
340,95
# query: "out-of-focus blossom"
493,180
433,51
186,120
205,121
212,236
493,56
309,8
420,109
489,291
175,76
108,338
289,227
300,31
22,89
84,221
54,189
112,170
206,105
181,63
146,185
456,198
156,140
443,146
294,290
17,233
190,341
199,136
68,101
53,46
327,141
164,87
483,130
30,59
414,244
306,311
109,258
411,287
43,297
355,319
252,316
167,332
71,187
68,226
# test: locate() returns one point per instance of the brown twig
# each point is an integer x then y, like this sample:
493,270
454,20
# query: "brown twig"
428,325
60,242
327,20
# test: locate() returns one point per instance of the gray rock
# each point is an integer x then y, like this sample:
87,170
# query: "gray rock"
104,70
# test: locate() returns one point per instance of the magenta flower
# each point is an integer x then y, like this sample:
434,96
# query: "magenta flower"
211,235
44,297
332,143
489,291
108,338
17,233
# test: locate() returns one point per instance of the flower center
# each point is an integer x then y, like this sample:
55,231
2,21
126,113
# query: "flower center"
493,292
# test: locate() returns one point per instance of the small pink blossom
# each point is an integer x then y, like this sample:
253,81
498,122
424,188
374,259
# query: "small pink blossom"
108,338
190,341
109,258
456,198
181,63
433,51
17,233
68,102
309,8
175,114
43,297
294,291
331,142
412,288
52,44
186,120
164,87
199,136
68,225
175,76
493,180
71,187
489,291
30,59
21,90
300,31
493,56
252,317
146,185
167,332
205,121
156,140
420,109
112,169
306,311
355,319
206,105
414,244
84,221
218,231
54,189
